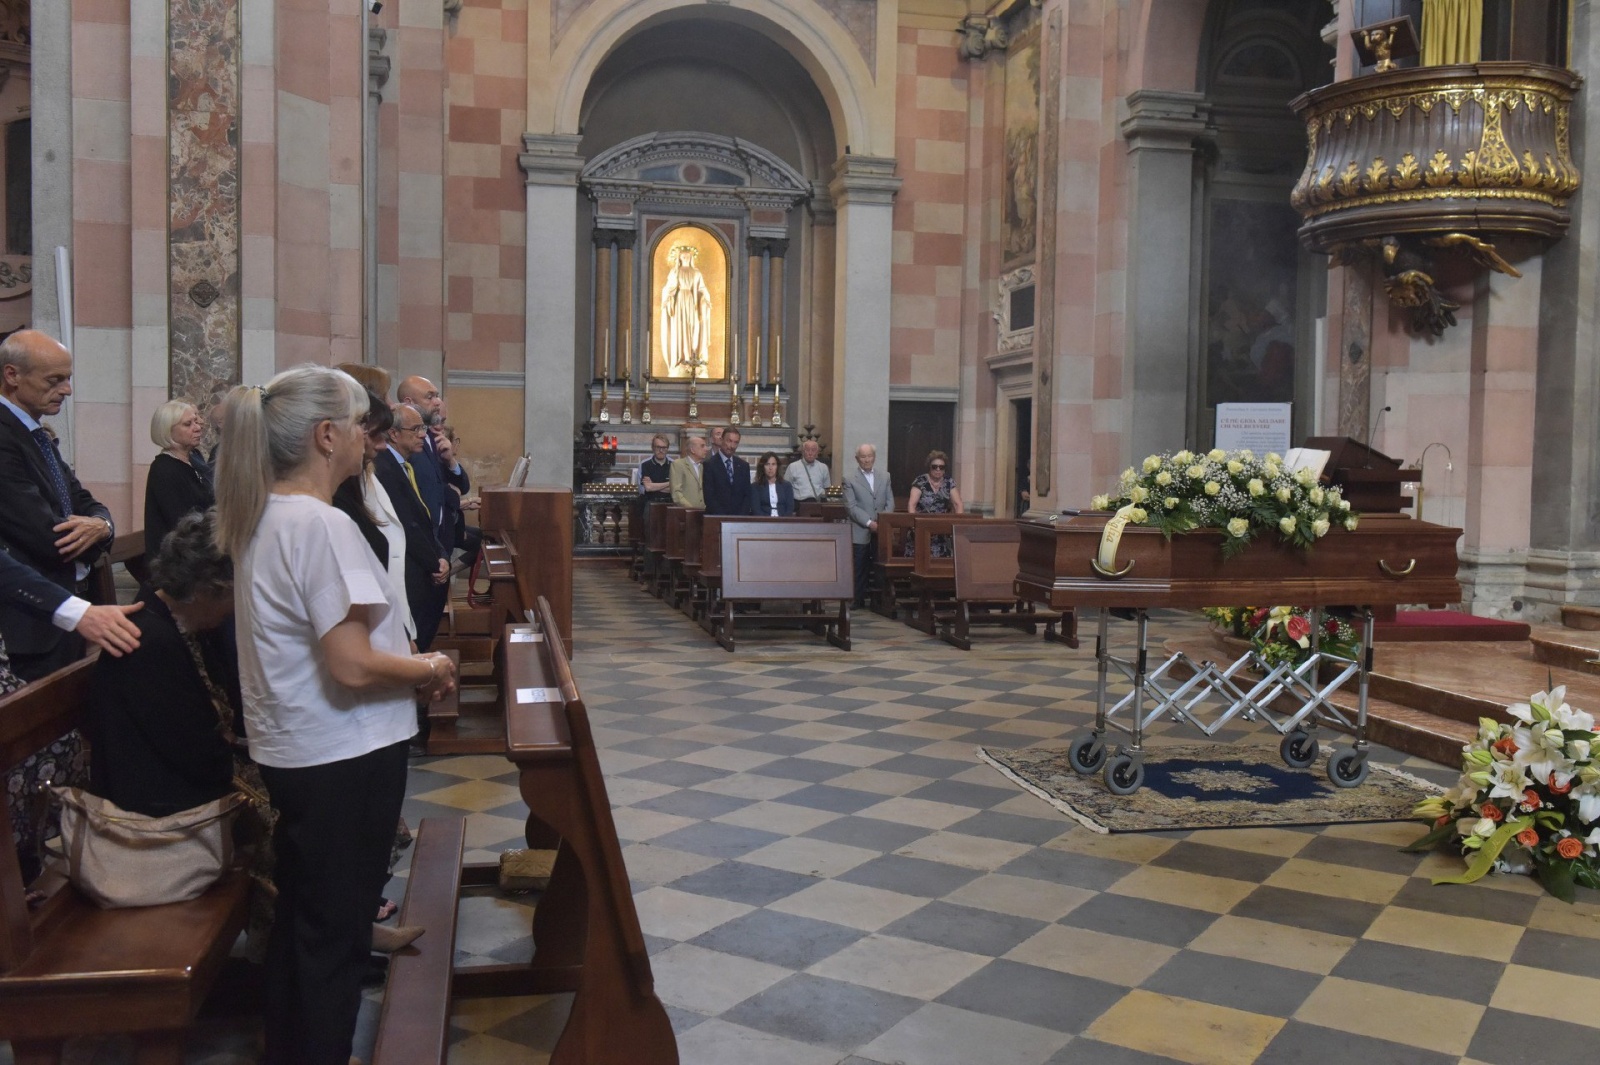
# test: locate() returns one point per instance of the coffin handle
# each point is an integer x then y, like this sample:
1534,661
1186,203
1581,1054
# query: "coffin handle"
1391,571
1111,574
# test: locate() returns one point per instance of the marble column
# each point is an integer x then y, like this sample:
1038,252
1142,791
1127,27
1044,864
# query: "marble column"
755,292
775,311
203,199
863,191
1161,129
627,314
1564,552
550,164
600,343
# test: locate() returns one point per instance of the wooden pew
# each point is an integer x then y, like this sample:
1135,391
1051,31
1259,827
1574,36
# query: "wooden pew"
656,572
69,968
711,561
985,567
933,579
694,601
414,1026
457,726
787,558
127,551
585,929
892,563
827,510
677,549
537,521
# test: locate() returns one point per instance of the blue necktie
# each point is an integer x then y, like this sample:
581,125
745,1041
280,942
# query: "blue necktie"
57,476
728,462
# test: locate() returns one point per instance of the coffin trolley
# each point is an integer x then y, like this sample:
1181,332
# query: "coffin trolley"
1389,560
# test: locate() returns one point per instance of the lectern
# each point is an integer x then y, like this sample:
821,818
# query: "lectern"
1369,479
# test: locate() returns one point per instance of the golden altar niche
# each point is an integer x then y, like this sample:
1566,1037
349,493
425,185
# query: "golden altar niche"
1387,560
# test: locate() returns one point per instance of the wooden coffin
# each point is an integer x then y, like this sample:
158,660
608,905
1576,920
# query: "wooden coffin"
1390,559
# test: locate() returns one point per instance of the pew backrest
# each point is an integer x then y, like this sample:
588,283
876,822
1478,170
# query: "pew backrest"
893,528
985,558
786,559
711,539
927,526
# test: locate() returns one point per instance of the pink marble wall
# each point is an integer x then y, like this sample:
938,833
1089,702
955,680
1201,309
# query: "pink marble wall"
931,225
102,251
484,228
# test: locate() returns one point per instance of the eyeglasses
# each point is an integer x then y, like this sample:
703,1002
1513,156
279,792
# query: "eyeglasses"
408,428
937,466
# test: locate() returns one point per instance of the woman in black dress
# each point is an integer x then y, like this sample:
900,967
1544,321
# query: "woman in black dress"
175,485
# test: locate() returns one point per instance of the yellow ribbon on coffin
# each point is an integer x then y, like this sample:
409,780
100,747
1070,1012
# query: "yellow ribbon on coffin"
1105,563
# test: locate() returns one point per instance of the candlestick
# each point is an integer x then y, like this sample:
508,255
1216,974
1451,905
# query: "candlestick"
644,415
627,355
627,401
604,361
755,359
605,398
733,361
777,358
775,421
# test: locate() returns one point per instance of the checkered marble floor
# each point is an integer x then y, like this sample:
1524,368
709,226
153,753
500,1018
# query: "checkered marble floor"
827,876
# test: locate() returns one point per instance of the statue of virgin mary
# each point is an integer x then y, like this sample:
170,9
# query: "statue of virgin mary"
685,313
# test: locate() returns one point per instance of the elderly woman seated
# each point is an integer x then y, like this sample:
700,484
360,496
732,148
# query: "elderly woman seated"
160,719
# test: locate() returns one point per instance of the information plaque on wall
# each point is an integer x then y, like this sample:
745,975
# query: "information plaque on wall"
1261,427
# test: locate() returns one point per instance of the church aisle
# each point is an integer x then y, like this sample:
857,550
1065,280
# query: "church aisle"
827,876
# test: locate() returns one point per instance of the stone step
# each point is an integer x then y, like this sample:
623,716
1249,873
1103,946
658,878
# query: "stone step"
1566,649
1586,618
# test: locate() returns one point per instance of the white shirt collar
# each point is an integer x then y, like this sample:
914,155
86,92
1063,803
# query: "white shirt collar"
29,422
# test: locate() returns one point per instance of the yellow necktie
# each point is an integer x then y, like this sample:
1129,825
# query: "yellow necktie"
412,477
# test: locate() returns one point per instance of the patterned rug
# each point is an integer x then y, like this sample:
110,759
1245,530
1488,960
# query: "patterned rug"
1211,785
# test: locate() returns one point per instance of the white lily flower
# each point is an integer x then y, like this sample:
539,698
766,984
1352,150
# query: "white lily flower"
1484,827
1510,780
1588,800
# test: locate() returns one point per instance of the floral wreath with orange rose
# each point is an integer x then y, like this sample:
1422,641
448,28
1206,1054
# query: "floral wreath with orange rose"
1528,799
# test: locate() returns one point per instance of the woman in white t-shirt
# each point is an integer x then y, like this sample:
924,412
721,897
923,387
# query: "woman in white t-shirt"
330,687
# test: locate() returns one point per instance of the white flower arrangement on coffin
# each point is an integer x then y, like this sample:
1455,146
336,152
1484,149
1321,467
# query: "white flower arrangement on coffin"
1528,799
1232,491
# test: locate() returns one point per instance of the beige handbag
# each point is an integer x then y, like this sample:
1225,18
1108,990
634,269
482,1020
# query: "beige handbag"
117,858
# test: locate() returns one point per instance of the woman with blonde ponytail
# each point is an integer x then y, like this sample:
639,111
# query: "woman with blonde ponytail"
329,693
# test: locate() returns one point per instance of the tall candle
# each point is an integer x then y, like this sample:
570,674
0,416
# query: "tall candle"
605,355
755,359
627,354
777,357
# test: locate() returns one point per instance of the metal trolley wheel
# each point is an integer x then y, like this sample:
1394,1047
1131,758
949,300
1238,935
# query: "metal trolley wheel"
1347,767
1298,749
1087,753
1124,775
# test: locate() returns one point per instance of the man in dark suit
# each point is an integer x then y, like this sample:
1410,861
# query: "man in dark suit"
48,520
727,478
107,627
423,395
426,568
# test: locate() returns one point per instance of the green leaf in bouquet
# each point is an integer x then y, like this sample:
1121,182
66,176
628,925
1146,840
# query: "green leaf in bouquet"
1432,839
1557,878
1484,858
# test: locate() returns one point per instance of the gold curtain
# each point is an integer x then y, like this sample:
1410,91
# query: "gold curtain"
1452,31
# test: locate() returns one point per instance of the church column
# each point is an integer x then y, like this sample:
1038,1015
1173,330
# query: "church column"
550,163
1161,129
863,190
625,296
775,311
600,343
754,294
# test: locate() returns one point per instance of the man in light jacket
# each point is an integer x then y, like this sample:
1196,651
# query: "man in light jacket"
867,494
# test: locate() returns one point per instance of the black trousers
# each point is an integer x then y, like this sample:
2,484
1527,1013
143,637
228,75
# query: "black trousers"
863,558
335,827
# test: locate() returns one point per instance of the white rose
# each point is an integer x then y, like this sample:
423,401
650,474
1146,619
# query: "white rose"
1196,472
1235,467
1212,488
1273,458
1287,525
1238,527
1183,458
1100,503
1351,522
1163,478
1170,502
1283,495
1316,496
1271,470
1216,454
1138,493
1344,505
1319,528
1137,515
1152,463
1257,489
1304,475
1247,455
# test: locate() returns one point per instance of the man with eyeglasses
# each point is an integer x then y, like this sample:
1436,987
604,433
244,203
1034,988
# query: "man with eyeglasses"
427,569
655,472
